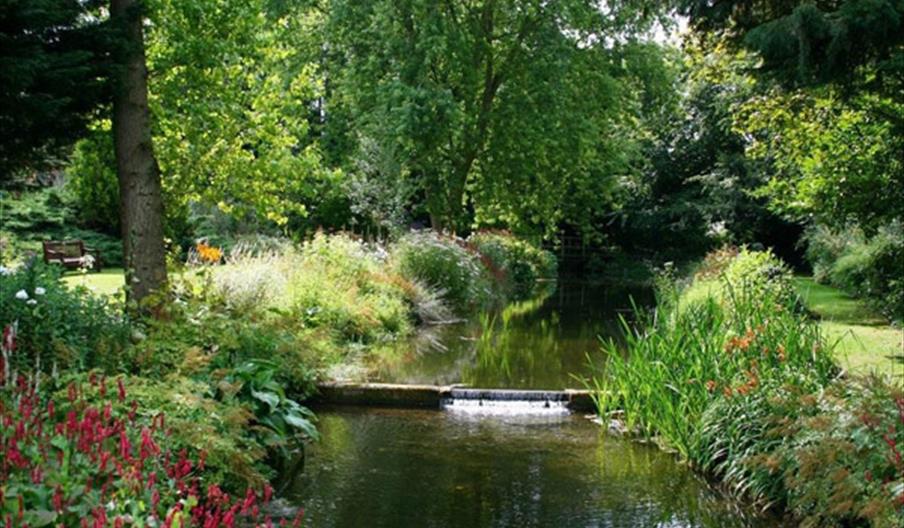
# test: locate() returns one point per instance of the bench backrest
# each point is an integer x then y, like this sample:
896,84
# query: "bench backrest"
64,248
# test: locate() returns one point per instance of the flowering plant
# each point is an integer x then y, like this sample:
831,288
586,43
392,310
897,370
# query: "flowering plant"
57,325
72,463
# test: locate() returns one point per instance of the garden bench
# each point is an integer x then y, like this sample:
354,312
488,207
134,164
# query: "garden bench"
70,254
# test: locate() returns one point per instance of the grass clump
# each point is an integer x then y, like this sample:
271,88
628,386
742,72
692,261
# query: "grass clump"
732,374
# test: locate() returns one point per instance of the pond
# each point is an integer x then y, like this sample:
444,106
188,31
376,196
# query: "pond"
510,466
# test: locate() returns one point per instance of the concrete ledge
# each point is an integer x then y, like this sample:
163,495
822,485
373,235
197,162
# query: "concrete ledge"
381,394
432,396
580,401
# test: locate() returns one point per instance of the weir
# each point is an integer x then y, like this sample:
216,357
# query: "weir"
453,397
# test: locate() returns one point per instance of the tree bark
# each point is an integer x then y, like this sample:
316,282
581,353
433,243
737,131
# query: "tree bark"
141,201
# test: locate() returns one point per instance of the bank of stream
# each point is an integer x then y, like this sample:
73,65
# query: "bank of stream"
487,467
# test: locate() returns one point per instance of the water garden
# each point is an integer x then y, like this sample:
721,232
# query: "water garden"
489,263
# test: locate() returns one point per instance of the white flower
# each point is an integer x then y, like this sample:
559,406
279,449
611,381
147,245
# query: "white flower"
40,291
31,302
22,295
5,271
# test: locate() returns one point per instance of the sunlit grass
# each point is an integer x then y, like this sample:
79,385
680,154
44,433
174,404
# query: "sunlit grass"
108,282
865,341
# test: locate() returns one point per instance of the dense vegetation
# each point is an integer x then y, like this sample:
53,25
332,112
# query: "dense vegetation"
214,150
239,342
731,374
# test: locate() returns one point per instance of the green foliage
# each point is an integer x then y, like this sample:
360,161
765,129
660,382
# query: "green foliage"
92,180
754,273
197,422
697,189
256,385
444,264
730,374
869,267
49,214
53,71
829,455
93,450
517,264
519,109
835,160
231,94
697,349
345,286
805,42
59,328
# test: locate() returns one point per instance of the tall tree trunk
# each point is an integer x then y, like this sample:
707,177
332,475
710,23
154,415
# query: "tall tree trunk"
136,167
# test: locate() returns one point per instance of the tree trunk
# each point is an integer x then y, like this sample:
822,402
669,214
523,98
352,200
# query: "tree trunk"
141,201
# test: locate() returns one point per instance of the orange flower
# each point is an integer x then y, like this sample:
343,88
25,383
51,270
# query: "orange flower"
209,254
711,386
727,392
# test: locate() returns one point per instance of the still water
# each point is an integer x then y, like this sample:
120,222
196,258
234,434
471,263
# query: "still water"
544,343
502,468
400,468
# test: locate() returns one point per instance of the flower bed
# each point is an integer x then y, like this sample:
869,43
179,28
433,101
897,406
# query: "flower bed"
103,463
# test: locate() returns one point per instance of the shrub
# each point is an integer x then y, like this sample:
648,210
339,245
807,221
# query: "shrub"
740,383
345,285
108,462
832,455
868,267
444,264
59,327
728,271
93,181
48,214
517,264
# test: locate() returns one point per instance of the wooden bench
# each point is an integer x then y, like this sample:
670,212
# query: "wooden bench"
70,254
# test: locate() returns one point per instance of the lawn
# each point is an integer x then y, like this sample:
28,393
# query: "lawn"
108,282
865,342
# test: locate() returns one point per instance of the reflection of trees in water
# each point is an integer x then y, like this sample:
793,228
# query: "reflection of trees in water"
537,343
381,467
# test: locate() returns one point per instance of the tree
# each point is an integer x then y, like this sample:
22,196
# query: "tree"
141,199
501,112
54,62
832,123
699,187
805,42
233,92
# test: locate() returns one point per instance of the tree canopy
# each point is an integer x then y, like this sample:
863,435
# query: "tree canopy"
54,64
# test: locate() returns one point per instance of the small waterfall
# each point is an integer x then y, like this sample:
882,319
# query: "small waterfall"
506,402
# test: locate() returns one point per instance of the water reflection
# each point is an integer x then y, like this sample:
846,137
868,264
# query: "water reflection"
538,344
397,468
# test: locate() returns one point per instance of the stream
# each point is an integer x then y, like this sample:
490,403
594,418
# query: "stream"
506,466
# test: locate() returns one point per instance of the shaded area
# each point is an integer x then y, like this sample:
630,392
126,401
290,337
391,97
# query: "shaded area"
542,343
425,468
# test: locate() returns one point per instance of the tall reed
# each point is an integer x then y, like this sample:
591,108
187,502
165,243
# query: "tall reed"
684,355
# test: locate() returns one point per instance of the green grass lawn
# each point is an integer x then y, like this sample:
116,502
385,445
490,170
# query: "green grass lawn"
108,282
865,342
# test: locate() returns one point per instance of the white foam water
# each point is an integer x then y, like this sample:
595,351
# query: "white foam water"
505,407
